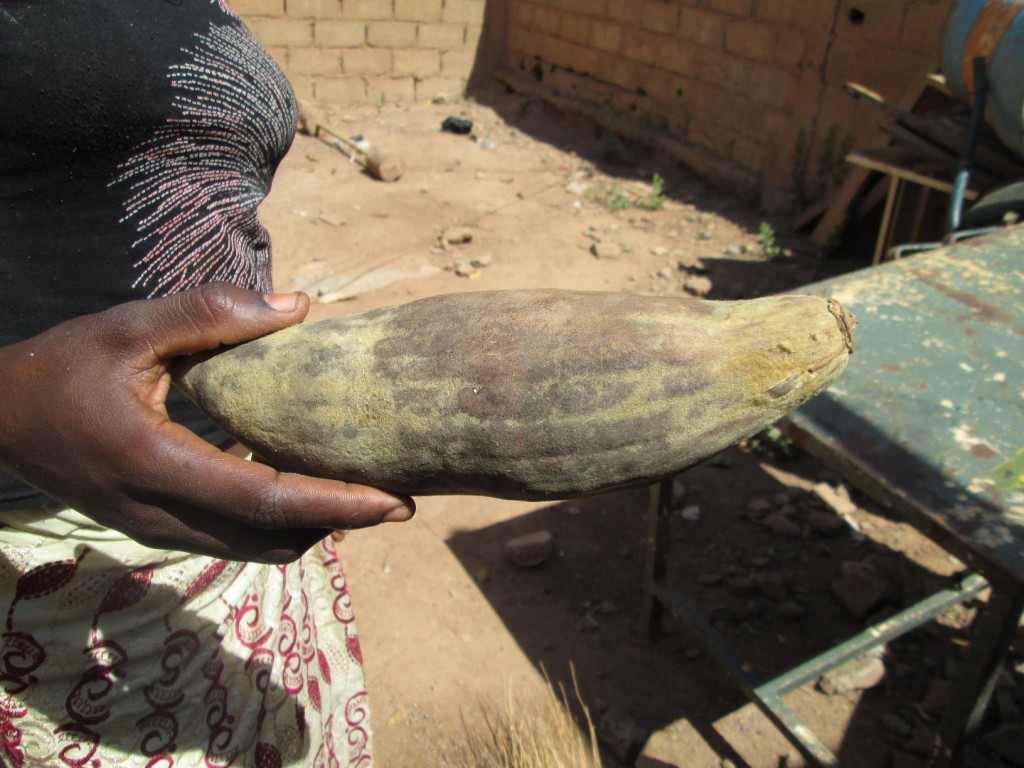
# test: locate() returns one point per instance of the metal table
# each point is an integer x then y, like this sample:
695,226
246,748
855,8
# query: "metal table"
929,421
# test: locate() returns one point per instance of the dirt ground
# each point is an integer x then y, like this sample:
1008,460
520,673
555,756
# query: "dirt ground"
449,627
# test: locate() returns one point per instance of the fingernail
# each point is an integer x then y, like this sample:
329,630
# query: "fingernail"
282,302
398,515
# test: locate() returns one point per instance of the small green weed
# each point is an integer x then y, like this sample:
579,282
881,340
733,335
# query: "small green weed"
657,199
770,247
616,198
773,443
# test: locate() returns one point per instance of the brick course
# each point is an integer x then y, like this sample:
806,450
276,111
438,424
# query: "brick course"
313,9
340,90
463,12
339,34
367,50
366,61
368,10
737,80
289,33
314,61
386,88
418,10
258,7
416,63
659,16
391,34
442,35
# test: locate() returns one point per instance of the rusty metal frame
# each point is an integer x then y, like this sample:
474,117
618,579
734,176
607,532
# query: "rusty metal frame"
768,695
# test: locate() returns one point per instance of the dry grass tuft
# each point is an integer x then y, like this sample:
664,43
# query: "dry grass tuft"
542,736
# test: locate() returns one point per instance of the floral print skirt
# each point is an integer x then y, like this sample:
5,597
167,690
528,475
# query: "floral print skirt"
114,654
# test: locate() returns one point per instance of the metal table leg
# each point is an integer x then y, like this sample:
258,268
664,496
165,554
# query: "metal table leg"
994,630
658,543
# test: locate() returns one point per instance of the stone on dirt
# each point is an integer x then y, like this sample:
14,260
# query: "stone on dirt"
922,742
896,725
759,506
690,513
899,759
741,585
827,524
606,250
781,524
934,701
698,285
532,550
792,610
861,673
457,235
623,737
1007,741
1006,706
771,585
466,269
859,591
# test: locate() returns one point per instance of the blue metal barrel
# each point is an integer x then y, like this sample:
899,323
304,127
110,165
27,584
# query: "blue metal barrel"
993,30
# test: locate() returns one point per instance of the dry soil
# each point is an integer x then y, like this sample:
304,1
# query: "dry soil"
449,626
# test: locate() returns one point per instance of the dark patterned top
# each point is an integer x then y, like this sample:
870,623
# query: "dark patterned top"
136,140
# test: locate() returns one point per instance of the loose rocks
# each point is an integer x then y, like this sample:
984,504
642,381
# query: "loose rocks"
857,675
858,590
606,250
1008,742
529,551
457,235
896,725
620,734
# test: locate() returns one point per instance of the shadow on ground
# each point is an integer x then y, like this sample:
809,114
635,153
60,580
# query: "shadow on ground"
766,592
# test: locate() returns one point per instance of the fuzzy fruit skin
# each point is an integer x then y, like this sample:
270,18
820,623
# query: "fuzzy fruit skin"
538,394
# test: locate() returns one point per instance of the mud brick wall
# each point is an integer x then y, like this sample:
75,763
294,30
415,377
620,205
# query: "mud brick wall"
751,89
352,51
747,92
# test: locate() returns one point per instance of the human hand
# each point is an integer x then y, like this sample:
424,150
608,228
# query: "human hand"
84,421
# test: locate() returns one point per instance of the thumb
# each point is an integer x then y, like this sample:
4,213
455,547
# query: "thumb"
208,317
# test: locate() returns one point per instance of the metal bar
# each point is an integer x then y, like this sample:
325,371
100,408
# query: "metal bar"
883,229
873,636
777,711
659,541
963,171
994,630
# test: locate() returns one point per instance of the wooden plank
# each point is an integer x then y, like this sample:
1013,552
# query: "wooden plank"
835,217
938,81
883,231
905,136
944,131
901,163
871,199
809,214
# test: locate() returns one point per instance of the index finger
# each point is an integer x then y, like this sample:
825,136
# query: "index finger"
259,495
